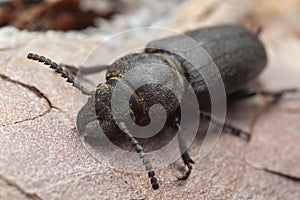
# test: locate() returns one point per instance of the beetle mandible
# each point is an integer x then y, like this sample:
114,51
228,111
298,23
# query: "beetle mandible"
238,54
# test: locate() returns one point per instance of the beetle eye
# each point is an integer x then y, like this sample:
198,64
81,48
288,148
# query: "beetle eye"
132,115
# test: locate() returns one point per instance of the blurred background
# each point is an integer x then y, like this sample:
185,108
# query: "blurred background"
42,15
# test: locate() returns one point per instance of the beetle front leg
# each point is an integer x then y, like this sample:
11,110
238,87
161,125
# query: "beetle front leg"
187,161
184,153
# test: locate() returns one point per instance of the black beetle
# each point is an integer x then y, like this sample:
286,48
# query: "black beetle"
238,54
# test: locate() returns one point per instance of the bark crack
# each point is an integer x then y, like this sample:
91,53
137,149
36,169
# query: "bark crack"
283,175
17,187
252,126
273,172
36,91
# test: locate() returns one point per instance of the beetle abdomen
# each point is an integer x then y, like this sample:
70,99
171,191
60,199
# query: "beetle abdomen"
237,53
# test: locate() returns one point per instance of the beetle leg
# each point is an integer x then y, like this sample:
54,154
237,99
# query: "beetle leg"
243,94
143,155
276,95
250,92
233,130
184,153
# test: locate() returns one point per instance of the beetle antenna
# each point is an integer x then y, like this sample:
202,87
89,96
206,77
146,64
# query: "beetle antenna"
143,155
60,70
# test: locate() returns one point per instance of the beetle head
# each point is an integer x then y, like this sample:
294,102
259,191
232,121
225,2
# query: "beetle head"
98,107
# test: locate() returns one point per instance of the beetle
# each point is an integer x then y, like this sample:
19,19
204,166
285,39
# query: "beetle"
238,54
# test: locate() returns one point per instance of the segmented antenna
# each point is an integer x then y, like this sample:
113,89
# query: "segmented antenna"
59,69
143,155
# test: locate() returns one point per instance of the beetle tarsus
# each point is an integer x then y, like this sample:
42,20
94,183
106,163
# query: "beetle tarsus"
187,161
184,153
